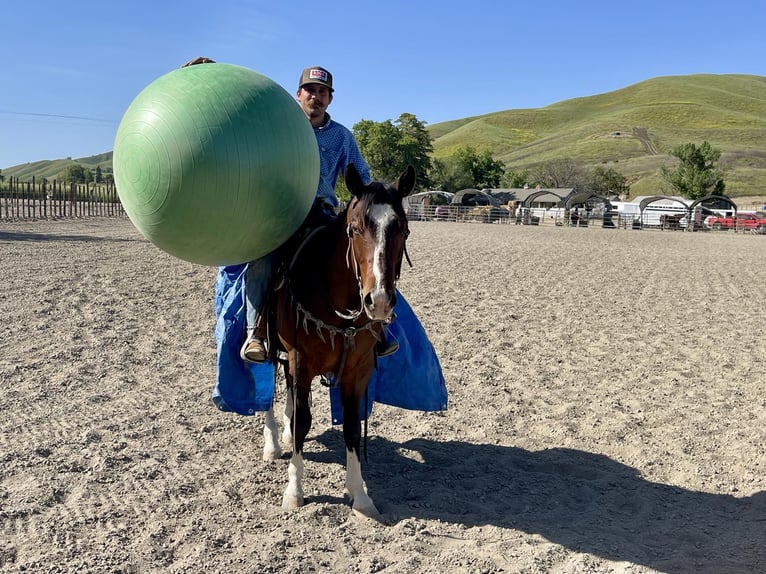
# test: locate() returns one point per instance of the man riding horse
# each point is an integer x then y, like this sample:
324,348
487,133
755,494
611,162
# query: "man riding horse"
337,150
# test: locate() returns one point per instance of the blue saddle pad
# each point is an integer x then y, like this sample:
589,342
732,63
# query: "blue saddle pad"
241,387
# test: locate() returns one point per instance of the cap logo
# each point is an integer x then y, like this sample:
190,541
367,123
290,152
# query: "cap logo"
320,75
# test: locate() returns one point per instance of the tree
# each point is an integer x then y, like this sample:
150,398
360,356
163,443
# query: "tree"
378,144
449,174
75,172
487,171
606,181
467,168
415,147
696,175
99,176
561,173
484,170
515,178
389,147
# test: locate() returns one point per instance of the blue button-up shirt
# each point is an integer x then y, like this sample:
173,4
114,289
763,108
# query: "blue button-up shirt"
337,149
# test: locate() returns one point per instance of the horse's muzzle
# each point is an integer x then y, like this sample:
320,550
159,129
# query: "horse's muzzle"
379,304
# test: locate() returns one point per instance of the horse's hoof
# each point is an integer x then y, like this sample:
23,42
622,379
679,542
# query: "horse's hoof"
272,454
364,506
369,512
290,502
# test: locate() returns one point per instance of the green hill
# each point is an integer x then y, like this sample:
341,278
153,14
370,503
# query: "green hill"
631,130
52,169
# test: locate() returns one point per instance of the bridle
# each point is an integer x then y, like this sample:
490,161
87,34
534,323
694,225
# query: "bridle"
352,261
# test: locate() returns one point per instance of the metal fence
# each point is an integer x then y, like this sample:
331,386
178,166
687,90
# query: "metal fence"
504,215
52,199
582,218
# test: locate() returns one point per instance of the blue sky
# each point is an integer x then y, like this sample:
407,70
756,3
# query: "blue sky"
70,69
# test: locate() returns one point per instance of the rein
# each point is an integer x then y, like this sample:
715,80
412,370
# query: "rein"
351,258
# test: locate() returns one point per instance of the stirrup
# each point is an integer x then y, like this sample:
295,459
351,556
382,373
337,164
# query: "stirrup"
328,380
385,348
253,351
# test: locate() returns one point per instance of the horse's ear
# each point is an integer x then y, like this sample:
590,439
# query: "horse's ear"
354,181
406,181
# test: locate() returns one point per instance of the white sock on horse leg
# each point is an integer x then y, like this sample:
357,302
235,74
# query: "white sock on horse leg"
293,497
271,448
355,486
287,431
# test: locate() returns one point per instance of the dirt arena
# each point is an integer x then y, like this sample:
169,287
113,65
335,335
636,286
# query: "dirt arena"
607,413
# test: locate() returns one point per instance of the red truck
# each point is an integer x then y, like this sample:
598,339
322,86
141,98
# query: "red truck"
744,221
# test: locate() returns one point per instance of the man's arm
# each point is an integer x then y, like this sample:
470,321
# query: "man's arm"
355,157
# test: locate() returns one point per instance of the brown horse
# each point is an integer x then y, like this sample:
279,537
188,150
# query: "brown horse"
339,291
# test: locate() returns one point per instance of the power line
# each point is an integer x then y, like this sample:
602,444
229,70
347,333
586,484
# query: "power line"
60,116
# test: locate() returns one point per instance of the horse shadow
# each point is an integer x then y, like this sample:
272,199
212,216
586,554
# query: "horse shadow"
586,502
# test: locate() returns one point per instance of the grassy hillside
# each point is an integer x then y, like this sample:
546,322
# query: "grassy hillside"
52,169
631,130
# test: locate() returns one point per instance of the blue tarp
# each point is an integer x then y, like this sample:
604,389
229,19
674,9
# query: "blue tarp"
411,378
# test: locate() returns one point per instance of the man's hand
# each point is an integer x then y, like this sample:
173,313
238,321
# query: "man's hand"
199,60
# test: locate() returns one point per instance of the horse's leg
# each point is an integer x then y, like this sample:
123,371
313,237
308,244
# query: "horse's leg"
352,434
301,423
271,448
362,503
287,429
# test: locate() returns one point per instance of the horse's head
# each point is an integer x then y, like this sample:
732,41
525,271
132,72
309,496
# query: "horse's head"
377,228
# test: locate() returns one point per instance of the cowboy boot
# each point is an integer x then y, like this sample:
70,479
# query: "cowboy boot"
254,348
388,345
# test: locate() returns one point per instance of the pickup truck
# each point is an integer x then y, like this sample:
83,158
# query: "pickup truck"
744,221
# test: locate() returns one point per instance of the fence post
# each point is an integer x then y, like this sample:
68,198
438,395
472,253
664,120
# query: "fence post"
70,199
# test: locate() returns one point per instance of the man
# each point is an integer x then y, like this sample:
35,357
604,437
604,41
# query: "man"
337,149
246,388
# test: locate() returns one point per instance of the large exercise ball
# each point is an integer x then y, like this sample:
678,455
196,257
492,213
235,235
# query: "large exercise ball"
216,164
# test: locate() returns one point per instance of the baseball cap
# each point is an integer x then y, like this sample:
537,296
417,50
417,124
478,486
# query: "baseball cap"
316,75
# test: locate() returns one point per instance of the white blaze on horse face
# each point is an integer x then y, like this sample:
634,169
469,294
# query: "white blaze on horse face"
383,215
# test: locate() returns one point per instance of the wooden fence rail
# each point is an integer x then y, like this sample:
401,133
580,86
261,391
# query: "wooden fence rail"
52,199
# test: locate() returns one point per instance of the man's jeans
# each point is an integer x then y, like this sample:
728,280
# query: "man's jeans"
257,278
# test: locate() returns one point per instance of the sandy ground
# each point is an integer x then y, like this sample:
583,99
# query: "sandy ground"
607,413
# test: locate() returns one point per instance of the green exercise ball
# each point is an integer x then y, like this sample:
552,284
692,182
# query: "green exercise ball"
216,164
